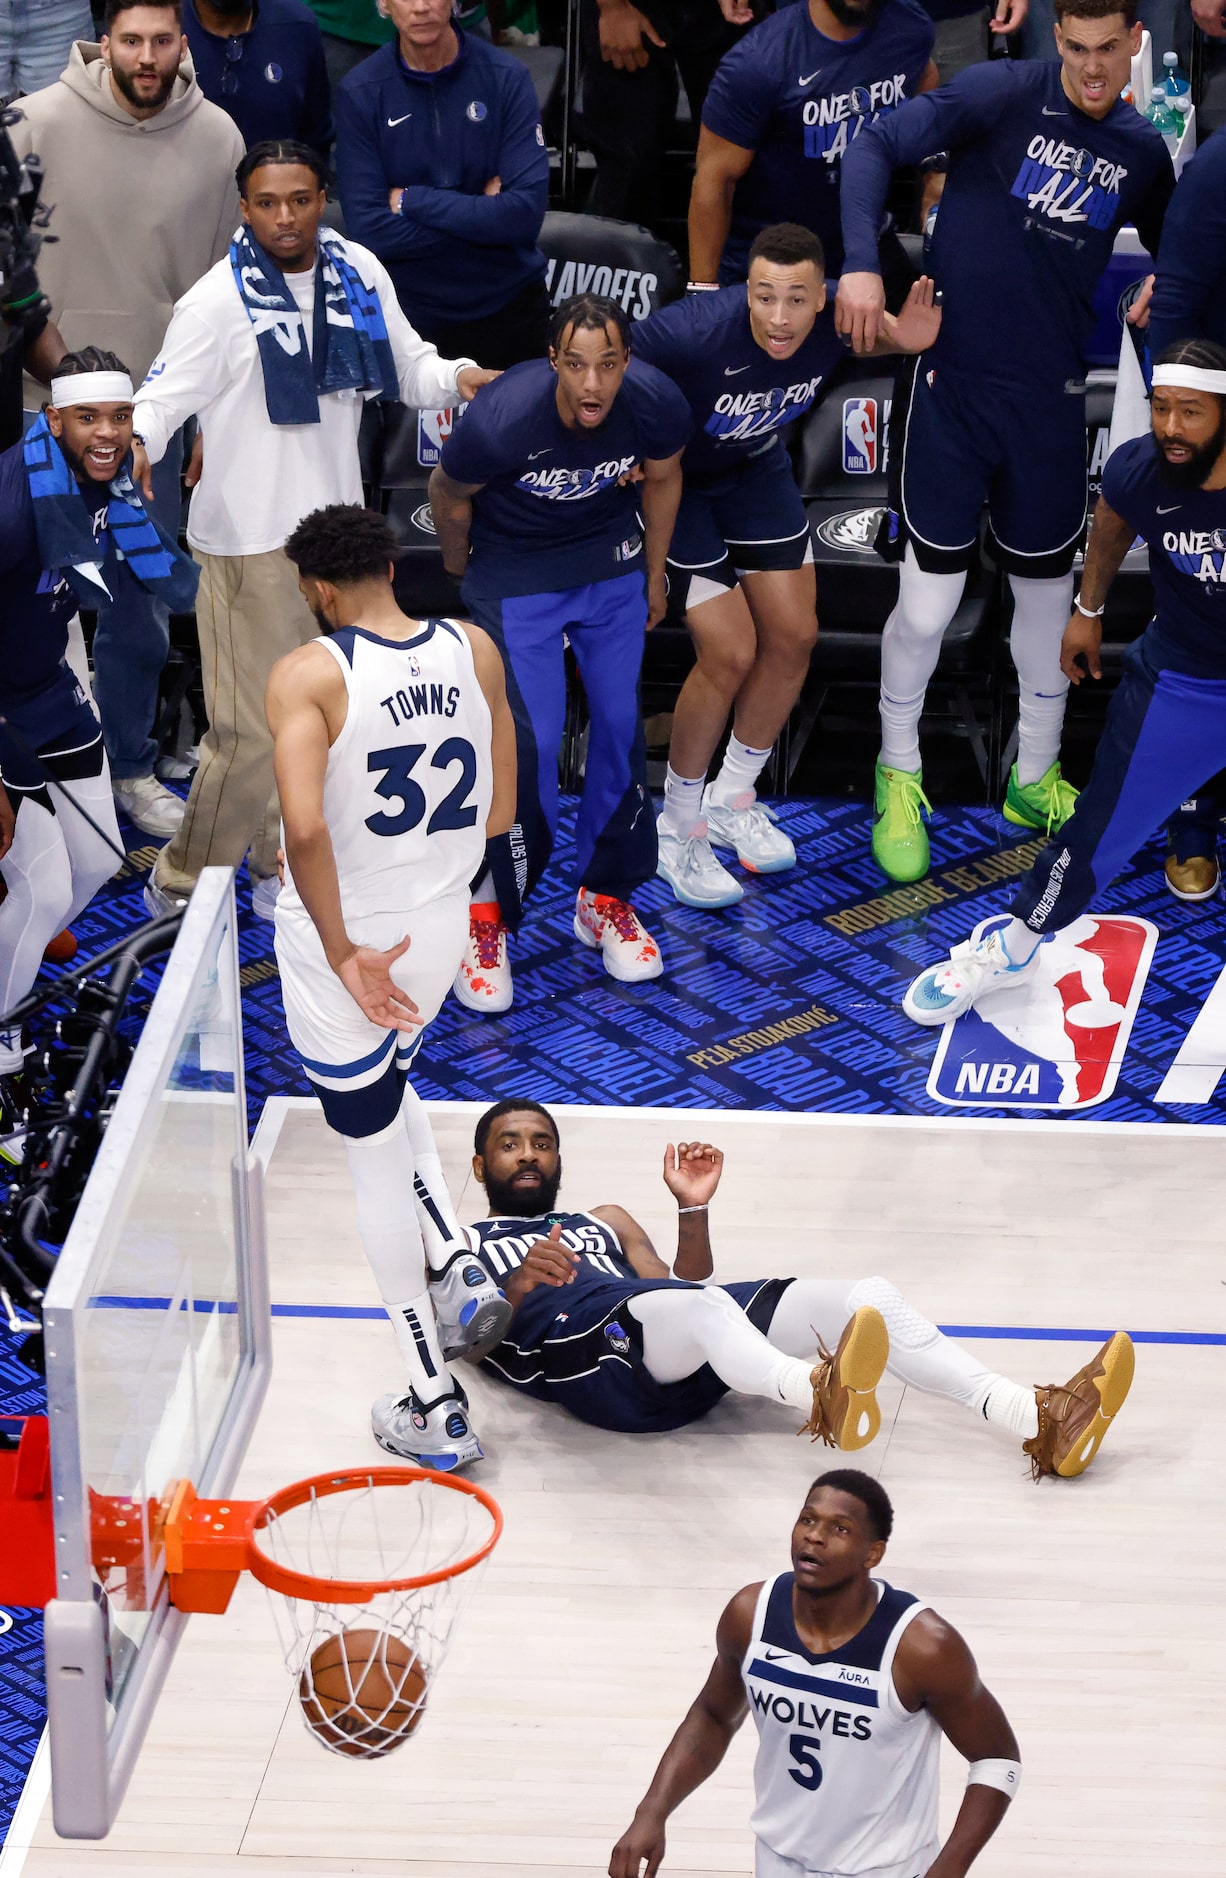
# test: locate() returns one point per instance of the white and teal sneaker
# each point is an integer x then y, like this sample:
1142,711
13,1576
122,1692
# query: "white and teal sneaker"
943,992
439,1436
687,863
748,826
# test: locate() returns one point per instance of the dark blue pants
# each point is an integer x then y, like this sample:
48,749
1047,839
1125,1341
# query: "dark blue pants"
1164,734
605,622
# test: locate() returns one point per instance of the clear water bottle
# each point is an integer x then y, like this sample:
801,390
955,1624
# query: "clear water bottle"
1160,114
1175,85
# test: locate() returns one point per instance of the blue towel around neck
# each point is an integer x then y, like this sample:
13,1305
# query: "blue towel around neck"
64,525
350,349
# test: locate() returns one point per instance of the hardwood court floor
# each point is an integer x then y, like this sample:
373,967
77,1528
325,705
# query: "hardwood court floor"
1095,1607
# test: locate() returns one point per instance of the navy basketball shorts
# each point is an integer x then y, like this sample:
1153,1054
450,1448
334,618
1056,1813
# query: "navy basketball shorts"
356,1068
1165,732
750,520
960,443
590,1359
53,732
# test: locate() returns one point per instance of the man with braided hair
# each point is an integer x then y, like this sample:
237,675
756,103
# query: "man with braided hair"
603,1327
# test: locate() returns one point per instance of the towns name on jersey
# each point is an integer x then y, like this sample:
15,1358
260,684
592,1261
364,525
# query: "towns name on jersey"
420,700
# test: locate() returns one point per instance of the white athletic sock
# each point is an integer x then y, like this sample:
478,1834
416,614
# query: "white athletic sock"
682,803
910,648
924,1356
440,1229
1040,614
1019,942
485,891
682,1330
739,771
382,1170
417,1339
1013,1408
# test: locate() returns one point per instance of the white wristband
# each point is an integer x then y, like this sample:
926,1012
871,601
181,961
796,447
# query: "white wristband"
692,1209
1089,612
702,286
1005,1776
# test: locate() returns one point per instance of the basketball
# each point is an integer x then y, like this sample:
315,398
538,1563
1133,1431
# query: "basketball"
363,1692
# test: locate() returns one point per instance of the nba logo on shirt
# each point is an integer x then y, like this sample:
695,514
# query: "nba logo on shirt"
433,430
1055,1041
860,436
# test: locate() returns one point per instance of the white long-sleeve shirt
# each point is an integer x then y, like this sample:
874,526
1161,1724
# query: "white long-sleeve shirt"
259,478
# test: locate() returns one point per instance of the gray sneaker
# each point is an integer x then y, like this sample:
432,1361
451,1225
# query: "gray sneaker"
440,1436
749,826
154,809
470,1308
689,866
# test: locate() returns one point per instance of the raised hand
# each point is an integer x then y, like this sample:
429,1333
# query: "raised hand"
918,321
691,1172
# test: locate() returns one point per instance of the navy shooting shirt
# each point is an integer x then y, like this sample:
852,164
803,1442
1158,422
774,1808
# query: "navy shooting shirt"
1035,195
36,603
799,101
552,513
739,396
1186,532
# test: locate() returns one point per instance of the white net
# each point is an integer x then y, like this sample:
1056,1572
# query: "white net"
365,1660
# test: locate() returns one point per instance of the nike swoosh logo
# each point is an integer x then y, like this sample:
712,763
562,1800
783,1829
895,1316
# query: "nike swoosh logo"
393,121
775,1656
1172,509
1050,113
802,82
533,454
732,371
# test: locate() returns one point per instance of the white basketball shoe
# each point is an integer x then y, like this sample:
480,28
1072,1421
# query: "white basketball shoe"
470,1308
439,1436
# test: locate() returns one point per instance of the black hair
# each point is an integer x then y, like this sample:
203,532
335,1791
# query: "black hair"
114,8
343,544
870,1493
787,244
1203,353
1096,10
279,150
88,359
588,312
486,1122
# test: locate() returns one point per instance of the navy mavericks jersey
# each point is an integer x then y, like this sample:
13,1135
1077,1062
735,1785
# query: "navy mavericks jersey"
739,396
36,603
553,512
799,100
1035,195
1186,532
501,1245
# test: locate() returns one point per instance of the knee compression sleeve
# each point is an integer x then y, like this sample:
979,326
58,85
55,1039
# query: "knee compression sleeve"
382,1170
920,1353
682,1330
1040,614
910,648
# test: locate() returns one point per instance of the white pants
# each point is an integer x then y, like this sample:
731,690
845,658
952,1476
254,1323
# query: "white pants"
770,1864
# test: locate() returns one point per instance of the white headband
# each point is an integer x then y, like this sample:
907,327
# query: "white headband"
91,388
1191,378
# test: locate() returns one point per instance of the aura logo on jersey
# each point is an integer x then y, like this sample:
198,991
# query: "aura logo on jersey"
1200,552
865,443
1067,184
740,414
1057,1040
832,122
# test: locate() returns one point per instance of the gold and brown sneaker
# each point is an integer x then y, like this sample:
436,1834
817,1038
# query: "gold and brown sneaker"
845,1412
1074,1416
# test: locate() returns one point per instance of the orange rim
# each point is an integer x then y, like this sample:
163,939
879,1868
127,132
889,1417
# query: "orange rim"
296,1584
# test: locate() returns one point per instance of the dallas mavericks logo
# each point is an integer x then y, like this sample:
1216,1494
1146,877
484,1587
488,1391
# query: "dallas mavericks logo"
863,445
851,532
1057,1040
617,1338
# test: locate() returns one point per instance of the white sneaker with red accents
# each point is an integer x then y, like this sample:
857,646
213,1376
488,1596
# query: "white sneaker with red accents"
483,982
630,953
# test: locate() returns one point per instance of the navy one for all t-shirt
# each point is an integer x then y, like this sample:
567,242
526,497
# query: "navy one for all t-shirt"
739,396
1186,532
798,100
553,512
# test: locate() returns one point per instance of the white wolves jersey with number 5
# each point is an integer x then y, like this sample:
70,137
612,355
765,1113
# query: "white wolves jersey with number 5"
846,1778
410,777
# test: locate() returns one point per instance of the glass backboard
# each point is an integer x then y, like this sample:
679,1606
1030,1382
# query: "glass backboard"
158,1355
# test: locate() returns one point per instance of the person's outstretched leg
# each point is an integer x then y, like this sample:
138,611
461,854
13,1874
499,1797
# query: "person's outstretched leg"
470,1308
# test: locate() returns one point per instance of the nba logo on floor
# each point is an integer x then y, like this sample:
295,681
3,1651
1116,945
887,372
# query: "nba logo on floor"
433,430
860,434
1057,1040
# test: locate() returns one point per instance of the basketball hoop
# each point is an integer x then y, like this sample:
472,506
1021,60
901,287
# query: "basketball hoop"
367,1570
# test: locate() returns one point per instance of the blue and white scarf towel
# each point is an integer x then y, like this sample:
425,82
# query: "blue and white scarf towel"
350,349
65,530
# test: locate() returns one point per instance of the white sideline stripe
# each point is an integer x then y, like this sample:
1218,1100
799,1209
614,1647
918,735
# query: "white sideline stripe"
1199,1066
28,1812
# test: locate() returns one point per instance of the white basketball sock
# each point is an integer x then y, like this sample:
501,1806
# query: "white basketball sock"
417,1339
910,648
682,803
682,1330
738,773
1010,1406
1019,942
382,1169
440,1229
1041,610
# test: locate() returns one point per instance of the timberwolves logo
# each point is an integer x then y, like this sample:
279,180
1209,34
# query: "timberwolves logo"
617,1338
851,532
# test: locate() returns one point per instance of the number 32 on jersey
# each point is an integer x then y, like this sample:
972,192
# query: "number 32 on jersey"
398,786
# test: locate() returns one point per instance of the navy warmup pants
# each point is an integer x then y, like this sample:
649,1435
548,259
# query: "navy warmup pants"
1165,732
605,622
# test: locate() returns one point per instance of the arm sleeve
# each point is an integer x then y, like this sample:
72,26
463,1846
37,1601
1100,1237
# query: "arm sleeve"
427,382
364,187
956,114
740,101
513,217
1149,214
182,380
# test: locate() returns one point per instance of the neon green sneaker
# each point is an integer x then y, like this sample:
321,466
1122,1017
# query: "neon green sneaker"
1045,805
900,840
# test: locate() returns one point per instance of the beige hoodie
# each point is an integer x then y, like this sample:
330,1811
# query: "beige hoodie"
141,208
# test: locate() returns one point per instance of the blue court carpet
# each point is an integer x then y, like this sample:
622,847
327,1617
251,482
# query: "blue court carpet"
788,1001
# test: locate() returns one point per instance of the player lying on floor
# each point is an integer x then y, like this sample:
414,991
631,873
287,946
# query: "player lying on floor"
1166,728
603,1327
